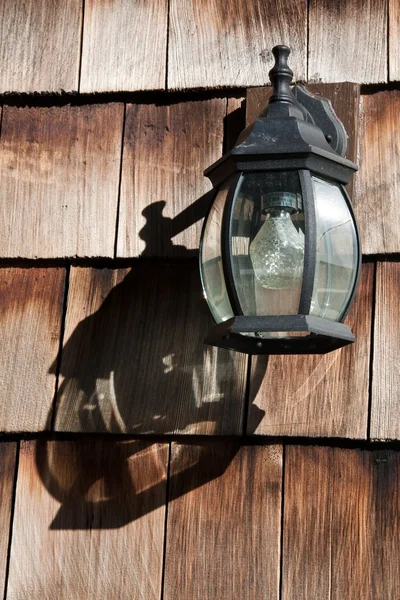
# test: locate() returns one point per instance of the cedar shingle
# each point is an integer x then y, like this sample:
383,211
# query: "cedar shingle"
88,521
59,171
31,303
215,44
223,531
124,46
134,359
347,41
40,45
166,149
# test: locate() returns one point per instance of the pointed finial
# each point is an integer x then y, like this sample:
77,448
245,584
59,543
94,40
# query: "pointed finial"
281,76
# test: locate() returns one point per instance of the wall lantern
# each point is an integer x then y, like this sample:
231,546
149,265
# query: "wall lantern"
280,251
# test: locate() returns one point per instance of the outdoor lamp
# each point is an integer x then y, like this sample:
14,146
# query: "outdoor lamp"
280,251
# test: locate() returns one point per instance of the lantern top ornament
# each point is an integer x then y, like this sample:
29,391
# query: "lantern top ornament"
280,251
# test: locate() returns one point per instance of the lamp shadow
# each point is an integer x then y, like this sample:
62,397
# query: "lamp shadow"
137,364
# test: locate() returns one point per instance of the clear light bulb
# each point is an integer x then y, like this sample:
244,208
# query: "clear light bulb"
277,251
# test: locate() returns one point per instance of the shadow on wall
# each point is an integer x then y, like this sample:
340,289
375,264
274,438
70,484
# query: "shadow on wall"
138,365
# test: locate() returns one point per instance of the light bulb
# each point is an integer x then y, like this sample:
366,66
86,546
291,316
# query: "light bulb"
277,251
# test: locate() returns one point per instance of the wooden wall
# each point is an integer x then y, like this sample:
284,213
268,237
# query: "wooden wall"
95,46
136,462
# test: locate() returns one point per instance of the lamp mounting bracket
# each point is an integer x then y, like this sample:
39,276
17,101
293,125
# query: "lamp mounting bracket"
319,111
297,101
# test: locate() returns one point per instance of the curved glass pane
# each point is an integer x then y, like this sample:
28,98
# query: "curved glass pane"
337,251
212,275
268,243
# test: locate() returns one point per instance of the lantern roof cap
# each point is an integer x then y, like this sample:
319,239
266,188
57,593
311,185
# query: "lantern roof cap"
286,129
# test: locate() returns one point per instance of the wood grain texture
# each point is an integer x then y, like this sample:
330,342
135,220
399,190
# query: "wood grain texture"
31,303
394,40
223,537
124,46
40,45
166,150
7,473
89,521
385,422
134,358
59,169
214,44
378,181
318,395
347,41
341,516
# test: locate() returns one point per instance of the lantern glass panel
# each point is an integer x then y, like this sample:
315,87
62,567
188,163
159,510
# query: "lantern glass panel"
211,261
267,243
337,251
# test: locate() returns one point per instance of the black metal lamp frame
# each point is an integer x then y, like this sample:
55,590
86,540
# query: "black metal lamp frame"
312,140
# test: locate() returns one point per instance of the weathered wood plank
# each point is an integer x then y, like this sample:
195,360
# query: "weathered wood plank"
223,530
385,423
307,527
59,169
7,472
31,303
320,395
124,46
214,44
341,524
89,521
394,37
378,181
40,45
134,358
166,150
347,41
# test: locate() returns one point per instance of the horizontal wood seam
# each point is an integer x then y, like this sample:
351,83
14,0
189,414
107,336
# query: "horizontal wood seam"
189,439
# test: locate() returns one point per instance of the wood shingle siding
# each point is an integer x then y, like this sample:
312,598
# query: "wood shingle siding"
348,41
134,360
59,170
124,45
135,461
320,395
223,538
40,45
166,149
31,303
89,521
385,409
378,181
341,524
217,44
120,46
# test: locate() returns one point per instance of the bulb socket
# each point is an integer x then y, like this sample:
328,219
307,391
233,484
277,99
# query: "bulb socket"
281,200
